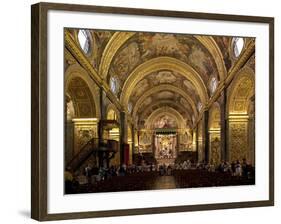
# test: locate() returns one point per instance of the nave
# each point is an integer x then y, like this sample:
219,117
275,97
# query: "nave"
140,99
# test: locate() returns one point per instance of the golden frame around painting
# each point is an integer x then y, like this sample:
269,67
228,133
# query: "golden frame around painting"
40,69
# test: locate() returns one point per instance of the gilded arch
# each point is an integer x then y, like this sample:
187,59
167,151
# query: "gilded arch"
75,71
209,43
120,38
160,63
165,111
170,103
239,99
241,90
114,44
160,88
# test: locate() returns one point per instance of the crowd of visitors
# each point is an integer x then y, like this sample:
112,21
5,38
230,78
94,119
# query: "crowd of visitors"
93,175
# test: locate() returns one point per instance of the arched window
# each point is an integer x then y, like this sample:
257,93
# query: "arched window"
114,85
84,40
237,46
213,84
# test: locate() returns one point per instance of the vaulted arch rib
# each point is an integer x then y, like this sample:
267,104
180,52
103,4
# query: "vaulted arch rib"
165,111
169,103
157,64
162,88
120,38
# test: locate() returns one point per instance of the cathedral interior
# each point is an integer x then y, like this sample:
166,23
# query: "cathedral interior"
158,105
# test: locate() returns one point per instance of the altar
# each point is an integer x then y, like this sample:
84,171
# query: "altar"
165,147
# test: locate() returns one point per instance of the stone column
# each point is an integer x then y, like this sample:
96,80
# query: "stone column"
197,143
100,154
206,135
153,143
133,143
251,131
102,114
122,135
178,142
69,141
224,127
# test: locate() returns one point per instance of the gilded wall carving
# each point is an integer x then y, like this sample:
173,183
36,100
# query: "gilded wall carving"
215,149
238,142
185,140
145,141
84,130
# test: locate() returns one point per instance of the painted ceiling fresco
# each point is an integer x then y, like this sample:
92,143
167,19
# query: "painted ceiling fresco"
101,38
158,79
165,121
224,43
145,46
161,78
177,104
168,87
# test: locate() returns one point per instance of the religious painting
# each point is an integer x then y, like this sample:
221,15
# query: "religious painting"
160,116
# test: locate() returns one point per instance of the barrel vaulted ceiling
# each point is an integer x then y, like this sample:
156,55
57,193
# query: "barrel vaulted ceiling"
150,71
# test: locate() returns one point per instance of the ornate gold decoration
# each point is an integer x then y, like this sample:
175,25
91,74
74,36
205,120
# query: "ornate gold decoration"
162,111
160,88
240,91
75,71
80,56
161,63
145,140
236,69
84,130
239,98
214,128
115,43
120,38
215,149
83,60
238,143
214,50
170,103
243,58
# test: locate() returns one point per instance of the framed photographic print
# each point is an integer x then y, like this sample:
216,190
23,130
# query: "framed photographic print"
138,111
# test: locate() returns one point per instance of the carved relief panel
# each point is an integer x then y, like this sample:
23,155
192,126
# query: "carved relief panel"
145,141
84,130
238,140
185,140
215,148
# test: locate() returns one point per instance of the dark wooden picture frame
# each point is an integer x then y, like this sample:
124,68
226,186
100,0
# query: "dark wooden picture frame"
39,108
